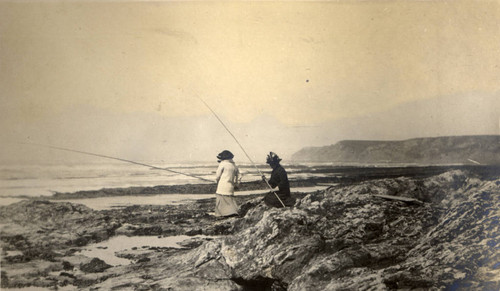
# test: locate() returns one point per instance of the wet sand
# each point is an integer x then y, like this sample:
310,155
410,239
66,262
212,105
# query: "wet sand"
111,202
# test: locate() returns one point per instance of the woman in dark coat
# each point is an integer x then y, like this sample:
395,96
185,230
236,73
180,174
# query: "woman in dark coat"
278,178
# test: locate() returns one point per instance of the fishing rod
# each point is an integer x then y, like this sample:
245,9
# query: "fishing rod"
255,166
114,158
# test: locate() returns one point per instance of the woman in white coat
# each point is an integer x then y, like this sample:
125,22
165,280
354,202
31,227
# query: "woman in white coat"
227,177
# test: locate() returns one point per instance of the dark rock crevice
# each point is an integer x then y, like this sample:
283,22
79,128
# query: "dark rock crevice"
260,284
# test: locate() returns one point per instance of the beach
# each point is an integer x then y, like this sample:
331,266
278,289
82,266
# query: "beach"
347,230
46,179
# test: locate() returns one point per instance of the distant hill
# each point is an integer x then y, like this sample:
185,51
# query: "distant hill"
484,149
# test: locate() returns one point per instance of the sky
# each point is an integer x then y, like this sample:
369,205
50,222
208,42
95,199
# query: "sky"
130,78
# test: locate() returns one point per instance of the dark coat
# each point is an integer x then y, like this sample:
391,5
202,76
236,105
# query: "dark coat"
279,178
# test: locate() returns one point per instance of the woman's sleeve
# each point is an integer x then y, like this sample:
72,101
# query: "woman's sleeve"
239,175
220,169
274,180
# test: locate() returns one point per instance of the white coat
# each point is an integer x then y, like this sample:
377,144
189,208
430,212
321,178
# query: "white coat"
227,176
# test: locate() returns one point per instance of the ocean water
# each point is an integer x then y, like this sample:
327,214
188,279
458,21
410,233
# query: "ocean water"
106,250
34,180
46,179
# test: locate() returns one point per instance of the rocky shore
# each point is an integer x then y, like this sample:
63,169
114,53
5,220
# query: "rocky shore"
344,238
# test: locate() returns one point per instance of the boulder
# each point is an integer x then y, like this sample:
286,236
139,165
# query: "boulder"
96,265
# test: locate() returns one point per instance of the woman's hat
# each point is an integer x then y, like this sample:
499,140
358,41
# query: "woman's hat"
225,155
272,158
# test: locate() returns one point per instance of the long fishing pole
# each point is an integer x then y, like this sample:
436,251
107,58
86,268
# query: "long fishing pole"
255,166
115,158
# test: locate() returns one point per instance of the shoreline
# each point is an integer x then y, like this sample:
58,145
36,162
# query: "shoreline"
343,235
343,175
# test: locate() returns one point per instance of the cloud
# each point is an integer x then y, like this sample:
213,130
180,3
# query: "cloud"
152,136
125,77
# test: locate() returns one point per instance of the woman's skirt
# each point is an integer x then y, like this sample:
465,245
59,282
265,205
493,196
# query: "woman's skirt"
284,198
225,205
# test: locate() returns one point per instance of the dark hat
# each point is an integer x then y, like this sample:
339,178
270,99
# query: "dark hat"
272,158
225,155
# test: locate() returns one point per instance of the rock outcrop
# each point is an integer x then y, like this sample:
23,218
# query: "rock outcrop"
43,225
348,239
344,238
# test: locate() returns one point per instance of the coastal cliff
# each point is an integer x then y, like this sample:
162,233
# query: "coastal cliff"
438,150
